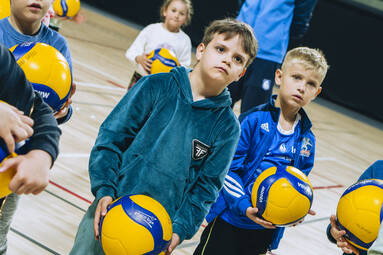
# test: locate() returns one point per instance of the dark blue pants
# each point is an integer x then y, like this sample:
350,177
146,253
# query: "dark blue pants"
256,86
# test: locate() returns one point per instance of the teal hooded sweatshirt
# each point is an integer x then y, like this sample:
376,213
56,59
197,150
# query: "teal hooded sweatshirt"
160,143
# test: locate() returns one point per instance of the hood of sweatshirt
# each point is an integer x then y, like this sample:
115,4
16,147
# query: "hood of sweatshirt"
181,75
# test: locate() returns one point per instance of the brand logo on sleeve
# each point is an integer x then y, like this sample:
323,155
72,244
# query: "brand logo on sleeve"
200,150
265,126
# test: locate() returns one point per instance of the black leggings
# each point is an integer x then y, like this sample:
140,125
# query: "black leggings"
220,237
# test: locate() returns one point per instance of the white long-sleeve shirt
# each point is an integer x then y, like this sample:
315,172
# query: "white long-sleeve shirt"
155,36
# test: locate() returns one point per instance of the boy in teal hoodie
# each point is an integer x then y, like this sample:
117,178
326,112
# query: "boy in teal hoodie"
172,137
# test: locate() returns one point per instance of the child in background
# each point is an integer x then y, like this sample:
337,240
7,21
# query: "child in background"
184,141
374,171
32,168
25,25
167,34
272,134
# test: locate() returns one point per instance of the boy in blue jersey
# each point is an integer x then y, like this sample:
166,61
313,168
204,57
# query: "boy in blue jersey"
171,137
17,102
276,133
25,25
375,171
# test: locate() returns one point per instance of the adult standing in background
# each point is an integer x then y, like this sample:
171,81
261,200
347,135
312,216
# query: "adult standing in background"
274,22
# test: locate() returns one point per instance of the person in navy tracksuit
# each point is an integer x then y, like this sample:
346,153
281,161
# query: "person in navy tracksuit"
274,23
375,171
274,134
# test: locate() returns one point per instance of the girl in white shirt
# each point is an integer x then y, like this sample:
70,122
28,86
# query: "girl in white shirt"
167,34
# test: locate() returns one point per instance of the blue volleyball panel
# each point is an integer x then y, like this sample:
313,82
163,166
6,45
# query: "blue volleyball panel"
22,49
263,193
49,95
300,186
3,150
64,6
168,62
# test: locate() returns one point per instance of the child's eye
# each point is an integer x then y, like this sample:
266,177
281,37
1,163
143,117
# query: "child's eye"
296,77
239,60
311,84
220,49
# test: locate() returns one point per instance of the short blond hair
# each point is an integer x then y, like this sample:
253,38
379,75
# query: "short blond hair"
231,27
189,8
310,58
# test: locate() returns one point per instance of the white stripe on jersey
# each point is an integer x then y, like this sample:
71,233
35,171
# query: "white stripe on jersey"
231,192
232,187
232,180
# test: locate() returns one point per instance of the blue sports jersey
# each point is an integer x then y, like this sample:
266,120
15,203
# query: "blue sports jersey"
257,148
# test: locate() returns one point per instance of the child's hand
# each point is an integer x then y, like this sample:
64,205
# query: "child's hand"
14,125
173,243
64,111
100,212
340,241
251,213
32,172
144,62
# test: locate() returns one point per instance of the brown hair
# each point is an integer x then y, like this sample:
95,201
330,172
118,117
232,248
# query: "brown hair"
231,27
189,8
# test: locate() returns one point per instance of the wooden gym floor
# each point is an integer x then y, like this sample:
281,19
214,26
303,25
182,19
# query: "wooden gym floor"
347,143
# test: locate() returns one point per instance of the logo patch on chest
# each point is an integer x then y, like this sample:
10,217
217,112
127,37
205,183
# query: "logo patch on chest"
200,150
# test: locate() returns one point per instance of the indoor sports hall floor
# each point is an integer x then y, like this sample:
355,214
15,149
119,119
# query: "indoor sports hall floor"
46,224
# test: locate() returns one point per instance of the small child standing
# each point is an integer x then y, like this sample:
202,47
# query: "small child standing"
171,137
25,25
167,34
272,134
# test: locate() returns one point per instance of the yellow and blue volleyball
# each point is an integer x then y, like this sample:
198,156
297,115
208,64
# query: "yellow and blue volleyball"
5,8
48,71
359,212
5,177
66,8
163,59
135,225
282,194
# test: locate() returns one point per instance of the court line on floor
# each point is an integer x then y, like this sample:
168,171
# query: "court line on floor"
70,192
63,199
34,241
100,86
112,78
93,104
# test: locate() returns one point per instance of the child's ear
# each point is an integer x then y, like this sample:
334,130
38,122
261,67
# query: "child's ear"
199,51
278,76
319,91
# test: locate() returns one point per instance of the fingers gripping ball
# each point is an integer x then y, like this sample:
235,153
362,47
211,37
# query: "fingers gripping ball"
283,195
5,177
66,8
163,59
359,212
48,71
135,225
5,8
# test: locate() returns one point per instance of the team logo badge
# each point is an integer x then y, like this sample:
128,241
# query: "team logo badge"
306,147
200,150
